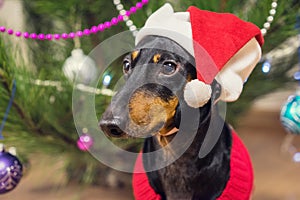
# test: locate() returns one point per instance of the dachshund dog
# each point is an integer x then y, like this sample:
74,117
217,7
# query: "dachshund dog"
155,109
182,65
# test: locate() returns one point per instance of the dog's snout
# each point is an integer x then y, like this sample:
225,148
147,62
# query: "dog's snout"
111,127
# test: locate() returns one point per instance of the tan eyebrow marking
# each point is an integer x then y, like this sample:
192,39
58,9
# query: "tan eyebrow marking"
134,54
156,58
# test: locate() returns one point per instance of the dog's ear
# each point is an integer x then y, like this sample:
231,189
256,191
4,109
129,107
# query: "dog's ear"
177,116
216,91
216,125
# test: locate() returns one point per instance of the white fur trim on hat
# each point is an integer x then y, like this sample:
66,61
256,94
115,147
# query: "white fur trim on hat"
164,22
237,70
177,26
197,93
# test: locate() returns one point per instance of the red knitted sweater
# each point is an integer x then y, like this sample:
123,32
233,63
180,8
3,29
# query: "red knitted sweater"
238,187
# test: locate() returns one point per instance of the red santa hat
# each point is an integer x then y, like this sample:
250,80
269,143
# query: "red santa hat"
225,48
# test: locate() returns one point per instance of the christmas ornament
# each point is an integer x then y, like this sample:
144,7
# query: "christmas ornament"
86,32
290,114
81,66
10,170
85,142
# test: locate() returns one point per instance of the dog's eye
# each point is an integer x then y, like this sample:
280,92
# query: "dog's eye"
169,67
126,66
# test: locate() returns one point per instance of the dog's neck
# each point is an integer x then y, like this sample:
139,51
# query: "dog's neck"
190,177
164,139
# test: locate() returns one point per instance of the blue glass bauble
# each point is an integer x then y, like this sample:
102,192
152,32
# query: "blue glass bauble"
290,115
10,172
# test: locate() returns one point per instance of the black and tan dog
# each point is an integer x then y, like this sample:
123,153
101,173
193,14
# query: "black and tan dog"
153,104
189,176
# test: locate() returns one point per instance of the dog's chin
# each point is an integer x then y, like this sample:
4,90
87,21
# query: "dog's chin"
150,130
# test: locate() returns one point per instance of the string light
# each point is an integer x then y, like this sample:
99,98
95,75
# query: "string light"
122,11
266,66
81,87
296,157
124,16
270,18
106,80
92,90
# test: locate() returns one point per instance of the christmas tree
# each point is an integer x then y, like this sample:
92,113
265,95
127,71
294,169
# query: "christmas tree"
41,118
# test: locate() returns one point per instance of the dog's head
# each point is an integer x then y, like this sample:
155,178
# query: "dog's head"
151,101
158,72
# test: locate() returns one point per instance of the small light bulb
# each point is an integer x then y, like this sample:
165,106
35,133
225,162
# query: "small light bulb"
266,67
296,157
106,80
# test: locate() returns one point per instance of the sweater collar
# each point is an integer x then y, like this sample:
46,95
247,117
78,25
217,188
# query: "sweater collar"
239,185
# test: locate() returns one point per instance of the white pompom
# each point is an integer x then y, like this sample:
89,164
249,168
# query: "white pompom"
197,93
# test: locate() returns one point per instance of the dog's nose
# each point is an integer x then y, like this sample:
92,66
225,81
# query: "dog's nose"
111,127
